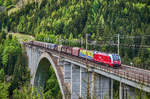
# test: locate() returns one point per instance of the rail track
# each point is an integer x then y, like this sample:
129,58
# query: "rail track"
131,73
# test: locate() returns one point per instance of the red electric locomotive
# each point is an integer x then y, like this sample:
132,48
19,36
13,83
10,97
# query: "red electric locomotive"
112,60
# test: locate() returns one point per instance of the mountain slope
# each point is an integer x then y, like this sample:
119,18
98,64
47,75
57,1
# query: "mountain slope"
102,19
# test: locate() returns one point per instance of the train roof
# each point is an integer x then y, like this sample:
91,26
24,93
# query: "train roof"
103,53
76,47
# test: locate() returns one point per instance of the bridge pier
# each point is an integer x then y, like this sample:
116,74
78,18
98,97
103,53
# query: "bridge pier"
77,77
67,72
84,83
129,92
120,90
34,55
103,87
126,92
67,78
76,82
97,87
93,85
111,88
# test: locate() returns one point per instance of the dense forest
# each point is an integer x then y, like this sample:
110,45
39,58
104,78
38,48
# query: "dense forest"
51,20
15,74
13,68
67,22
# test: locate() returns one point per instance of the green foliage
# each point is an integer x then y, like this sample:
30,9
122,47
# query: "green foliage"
4,90
2,75
28,92
137,61
4,86
13,64
52,89
1,2
2,36
139,5
7,2
80,17
21,74
11,50
125,11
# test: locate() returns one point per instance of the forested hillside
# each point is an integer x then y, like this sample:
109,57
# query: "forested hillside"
67,22
102,19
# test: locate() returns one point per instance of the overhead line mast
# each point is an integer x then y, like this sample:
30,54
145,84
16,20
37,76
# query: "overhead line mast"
86,52
118,42
87,68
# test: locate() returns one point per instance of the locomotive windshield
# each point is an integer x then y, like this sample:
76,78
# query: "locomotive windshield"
116,57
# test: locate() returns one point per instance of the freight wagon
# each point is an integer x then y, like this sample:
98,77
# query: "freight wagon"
112,60
86,54
75,51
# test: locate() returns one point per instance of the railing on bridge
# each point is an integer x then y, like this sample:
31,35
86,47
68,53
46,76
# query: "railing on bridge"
124,72
127,72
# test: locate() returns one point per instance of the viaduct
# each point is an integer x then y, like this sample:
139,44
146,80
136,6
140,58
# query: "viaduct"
72,75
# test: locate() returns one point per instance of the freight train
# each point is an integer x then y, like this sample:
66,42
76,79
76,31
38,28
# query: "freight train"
108,59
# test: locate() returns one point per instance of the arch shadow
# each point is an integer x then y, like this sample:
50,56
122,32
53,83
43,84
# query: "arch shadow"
41,75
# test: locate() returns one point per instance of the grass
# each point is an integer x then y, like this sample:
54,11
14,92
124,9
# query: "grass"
12,10
22,37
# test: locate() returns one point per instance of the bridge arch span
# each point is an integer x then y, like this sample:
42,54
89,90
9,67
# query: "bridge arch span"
41,75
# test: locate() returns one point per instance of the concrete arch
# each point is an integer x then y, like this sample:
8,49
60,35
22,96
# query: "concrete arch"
41,74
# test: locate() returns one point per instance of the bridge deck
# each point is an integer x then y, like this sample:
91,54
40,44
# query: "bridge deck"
135,74
126,72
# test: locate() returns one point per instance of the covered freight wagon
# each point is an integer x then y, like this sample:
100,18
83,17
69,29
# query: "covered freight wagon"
37,43
59,48
64,49
69,50
75,51
52,46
